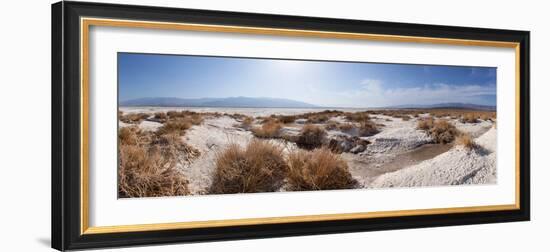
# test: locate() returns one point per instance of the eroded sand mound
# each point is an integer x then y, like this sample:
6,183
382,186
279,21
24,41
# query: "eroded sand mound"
397,136
457,166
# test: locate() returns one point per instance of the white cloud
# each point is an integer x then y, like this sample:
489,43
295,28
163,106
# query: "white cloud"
373,94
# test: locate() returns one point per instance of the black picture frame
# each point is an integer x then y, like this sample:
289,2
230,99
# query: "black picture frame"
66,114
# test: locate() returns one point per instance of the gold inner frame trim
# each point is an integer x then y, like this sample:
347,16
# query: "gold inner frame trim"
85,24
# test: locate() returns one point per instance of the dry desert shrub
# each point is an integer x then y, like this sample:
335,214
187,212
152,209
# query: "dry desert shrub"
160,117
195,119
466,140
332,125
443,132
178,126
145,172
246,122
469,118
180,114
133,117
129,136
259,167
485,117
269,129
425,123
311,136
368,128
319,169
286,119
147,165
346,127
358,116
404,117
172,146
318,118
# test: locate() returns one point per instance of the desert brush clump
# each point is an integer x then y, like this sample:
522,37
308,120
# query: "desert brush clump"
246,123
147,164
486,117
440,130
404,117
469,118
346,127
443,132
145,172
194,118
311,136
133,117
368,128
129,136
286,118
160,117
332,125
270,129
177,126
258,167
319,118
425,123
319,169
466,140
358,116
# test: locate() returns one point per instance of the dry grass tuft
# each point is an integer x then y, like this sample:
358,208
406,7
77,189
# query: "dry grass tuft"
287,119
246,122
160,117
332,125
318,118
368,128
145,172
469,118
133,117
425,123
129,135
319,169
467,141
311,137
175,126
270,129
260,167
147,164
358,116
346,127
443,131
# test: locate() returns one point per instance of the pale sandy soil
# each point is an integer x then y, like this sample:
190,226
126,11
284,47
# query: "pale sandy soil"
457,166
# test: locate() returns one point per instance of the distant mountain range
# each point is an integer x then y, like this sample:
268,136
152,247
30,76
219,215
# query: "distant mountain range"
454,105
264,102
236,102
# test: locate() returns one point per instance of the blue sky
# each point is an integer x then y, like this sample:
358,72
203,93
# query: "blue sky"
323,83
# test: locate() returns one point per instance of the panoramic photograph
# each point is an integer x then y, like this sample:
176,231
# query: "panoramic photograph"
202,125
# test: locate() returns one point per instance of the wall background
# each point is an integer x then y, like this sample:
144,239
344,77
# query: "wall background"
25,124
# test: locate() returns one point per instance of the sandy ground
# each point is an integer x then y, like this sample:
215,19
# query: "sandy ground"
399,156
457,166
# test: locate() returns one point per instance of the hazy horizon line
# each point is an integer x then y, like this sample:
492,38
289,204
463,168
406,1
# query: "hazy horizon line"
404,105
